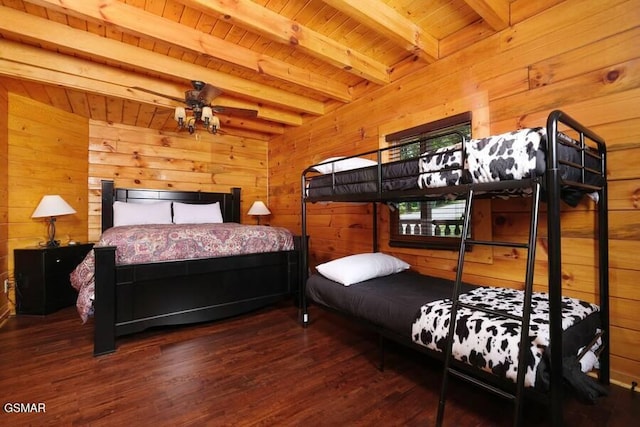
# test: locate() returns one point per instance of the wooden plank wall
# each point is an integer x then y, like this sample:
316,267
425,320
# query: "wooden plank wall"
577,56
47,154
142,158
4,201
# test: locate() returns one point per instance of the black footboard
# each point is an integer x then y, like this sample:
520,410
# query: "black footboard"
132,298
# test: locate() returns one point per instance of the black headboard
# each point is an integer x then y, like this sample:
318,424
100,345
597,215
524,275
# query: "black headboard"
229,202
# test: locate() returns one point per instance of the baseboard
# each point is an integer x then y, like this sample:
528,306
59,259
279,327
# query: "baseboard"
620,379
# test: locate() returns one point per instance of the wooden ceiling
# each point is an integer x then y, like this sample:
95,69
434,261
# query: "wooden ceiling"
290,60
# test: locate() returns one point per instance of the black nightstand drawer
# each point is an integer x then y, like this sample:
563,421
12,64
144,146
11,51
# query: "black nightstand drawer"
42,277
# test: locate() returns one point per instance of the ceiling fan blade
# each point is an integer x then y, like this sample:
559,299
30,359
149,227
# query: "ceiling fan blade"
180,100
232,111
208,93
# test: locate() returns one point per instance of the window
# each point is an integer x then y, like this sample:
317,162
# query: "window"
428,224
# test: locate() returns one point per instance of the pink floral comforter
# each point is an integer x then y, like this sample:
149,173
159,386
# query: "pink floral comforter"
168,242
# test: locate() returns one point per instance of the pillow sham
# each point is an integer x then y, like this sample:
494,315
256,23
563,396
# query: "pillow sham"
141,213
358,268
339,164
185,213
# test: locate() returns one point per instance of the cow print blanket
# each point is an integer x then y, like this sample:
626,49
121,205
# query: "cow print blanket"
508,156
441,168
489,342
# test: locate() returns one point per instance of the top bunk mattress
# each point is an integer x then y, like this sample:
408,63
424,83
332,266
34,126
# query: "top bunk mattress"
517,155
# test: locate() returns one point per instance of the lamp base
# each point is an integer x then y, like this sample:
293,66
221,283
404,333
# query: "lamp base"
51,234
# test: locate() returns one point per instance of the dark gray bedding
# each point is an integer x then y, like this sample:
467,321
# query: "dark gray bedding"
399,175
392,302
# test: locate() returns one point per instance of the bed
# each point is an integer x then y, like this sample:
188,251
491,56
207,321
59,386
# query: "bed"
414,309
544,163
126,291
510,156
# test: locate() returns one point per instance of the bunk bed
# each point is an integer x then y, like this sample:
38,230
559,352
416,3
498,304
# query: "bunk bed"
126,292
563,161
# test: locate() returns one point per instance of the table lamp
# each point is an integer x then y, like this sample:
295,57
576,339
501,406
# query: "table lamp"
52,206
259,209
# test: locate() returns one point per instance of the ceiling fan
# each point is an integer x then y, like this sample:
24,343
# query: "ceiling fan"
198,101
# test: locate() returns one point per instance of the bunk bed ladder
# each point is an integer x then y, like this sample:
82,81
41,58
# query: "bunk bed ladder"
530,246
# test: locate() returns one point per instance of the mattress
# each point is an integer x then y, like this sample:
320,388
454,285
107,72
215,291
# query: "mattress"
510,156
391,301
398,175
397,303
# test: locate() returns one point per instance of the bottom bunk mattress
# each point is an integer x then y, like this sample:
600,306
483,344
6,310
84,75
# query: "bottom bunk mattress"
391,302
490,341
416,308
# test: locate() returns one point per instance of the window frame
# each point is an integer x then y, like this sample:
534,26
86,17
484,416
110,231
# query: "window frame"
430,129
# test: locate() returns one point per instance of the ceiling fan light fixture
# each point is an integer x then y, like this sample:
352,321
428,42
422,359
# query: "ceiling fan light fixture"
207,115
179,115
204,115
198,104
191,124
214,125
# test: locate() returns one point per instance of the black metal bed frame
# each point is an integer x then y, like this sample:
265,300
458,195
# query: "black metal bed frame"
553,183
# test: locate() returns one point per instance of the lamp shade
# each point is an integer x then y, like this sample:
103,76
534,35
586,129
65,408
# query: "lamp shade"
52,205
180,114
259,208
207,114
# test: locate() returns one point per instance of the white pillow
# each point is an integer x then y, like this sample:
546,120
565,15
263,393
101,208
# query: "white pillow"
358,268
338,165
185,213
141,213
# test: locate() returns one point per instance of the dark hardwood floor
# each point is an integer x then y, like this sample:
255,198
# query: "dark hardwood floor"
259,369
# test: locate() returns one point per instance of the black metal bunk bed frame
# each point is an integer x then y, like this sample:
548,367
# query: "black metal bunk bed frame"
553,183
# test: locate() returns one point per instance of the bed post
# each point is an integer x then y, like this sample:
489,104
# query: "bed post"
603,251
236,214
304,264
375,226
553,181
104,340
107,204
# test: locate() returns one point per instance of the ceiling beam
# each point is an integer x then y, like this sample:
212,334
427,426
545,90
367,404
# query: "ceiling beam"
141,23
227,121
265,112
259,19
494,12
51,33
40,75
41,66
387,21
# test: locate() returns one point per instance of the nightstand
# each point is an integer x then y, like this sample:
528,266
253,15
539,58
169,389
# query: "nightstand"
42,277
